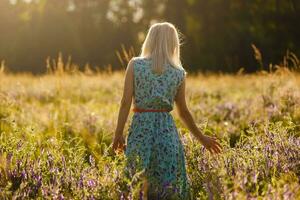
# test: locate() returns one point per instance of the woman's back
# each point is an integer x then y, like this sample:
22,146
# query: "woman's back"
153,136
155,91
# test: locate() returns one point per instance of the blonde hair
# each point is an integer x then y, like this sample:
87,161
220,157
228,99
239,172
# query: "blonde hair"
162,45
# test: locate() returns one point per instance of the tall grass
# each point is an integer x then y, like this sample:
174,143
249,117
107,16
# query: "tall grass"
56,132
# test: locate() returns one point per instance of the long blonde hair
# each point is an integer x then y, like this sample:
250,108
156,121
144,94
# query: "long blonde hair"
162,45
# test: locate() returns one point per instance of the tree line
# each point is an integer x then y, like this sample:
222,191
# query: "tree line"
217,35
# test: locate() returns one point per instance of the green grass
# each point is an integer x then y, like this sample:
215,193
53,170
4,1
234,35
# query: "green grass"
55,132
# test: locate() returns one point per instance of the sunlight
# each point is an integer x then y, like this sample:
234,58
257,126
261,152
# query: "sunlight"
72,71
15,1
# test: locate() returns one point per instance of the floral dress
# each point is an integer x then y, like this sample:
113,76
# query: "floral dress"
153,142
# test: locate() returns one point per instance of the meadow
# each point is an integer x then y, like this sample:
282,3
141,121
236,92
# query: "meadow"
56,131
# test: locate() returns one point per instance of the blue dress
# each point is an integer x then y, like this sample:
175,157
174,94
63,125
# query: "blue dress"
153,142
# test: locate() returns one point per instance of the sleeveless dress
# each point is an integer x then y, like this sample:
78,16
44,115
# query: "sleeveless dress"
153,143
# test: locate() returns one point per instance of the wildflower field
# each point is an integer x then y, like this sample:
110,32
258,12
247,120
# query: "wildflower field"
56,131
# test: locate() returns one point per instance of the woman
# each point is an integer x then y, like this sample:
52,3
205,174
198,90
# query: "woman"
155,80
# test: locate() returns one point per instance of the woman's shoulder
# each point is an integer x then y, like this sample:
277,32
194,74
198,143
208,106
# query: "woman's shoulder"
180,70
139,63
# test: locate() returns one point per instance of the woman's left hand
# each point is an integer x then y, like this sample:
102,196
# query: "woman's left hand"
119,143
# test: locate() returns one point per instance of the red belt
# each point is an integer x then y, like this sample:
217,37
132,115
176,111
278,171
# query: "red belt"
149,110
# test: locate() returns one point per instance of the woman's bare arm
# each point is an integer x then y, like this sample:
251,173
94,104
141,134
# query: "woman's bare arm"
125,106
209,142
184,112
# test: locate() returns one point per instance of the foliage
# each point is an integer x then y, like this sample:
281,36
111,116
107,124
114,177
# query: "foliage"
217,35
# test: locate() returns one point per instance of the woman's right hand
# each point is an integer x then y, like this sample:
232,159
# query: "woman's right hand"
119,143
210,143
